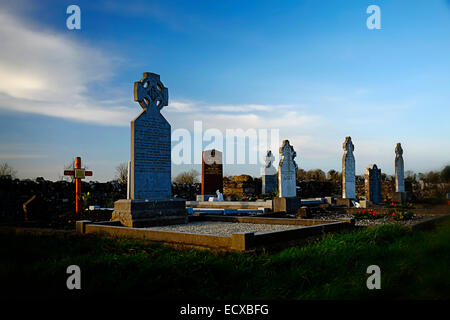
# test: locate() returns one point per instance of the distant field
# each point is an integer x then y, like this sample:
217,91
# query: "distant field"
413,266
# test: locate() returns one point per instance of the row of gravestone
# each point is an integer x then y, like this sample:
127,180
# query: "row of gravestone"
284,179
149,182
372,176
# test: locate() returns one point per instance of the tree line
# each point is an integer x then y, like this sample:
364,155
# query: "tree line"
192,176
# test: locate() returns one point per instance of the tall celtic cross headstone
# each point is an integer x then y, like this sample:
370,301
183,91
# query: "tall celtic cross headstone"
373,183
269,174
150,142
399,169
348,170
149,199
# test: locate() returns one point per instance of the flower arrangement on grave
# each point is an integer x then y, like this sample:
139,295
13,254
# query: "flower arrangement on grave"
401,211
396,205
86,197
401,214
368,214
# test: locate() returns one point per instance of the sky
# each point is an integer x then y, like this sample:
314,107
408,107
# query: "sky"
310,70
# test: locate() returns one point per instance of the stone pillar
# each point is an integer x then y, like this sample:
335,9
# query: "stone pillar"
372,181
399,169
399,194
348,170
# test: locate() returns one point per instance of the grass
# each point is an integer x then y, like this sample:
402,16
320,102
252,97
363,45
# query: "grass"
414,265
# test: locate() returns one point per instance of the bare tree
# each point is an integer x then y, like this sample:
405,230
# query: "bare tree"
67,166
7,170
189,177
122,173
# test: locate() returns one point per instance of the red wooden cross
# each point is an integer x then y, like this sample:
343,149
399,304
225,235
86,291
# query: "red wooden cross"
79,173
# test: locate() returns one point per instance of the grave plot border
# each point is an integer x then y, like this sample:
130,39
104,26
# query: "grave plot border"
238,241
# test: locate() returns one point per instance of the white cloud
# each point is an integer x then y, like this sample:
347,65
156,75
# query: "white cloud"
46,73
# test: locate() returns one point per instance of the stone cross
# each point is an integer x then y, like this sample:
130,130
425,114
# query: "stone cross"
150,92
269,174
287,171
399,169
373,183
348,170
150,169
78,173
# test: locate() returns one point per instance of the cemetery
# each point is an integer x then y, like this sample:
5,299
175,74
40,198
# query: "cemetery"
184,156
228,232
208,216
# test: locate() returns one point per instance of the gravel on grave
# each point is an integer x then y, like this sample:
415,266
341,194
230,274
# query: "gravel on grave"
371,222
225,229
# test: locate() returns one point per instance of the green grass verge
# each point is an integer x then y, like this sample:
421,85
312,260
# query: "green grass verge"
414,265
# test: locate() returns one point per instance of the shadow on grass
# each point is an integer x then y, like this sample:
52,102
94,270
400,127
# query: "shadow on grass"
413,266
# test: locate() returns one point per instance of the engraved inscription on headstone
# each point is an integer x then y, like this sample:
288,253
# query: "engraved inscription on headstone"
212,172
399,169
150,142
269,174
287,171
372,182
348,170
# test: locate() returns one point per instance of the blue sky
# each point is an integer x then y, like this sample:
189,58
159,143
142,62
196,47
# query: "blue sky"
311,69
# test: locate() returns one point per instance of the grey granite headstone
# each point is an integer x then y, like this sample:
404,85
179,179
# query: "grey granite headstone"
372,182
287,171
150,142
149,187
399,169
348,170
269,175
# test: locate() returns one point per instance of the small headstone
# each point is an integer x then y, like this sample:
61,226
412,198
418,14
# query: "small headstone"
356,204
212,172
269,174
287,171
219,197
348,170
373,183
